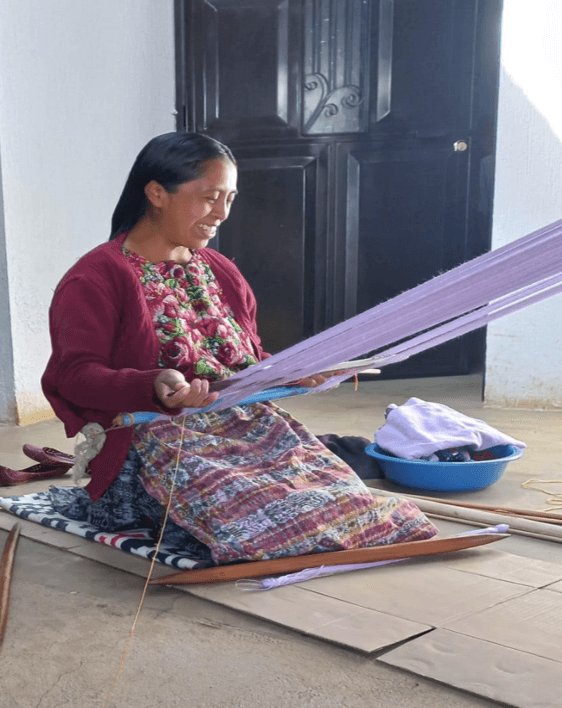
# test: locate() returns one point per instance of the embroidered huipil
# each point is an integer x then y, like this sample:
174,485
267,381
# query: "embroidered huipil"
196,329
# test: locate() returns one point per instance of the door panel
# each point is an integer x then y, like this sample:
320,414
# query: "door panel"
274,232
425,58
247,67
393,244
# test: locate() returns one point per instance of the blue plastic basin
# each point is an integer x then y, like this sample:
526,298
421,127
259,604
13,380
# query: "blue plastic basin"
445,476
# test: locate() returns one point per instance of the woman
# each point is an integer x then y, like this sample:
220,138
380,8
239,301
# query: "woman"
145,323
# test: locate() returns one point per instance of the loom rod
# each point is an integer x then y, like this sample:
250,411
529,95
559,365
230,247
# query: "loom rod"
463,514
6,567
288,564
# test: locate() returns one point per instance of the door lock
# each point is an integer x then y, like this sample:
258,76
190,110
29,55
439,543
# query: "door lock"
460,146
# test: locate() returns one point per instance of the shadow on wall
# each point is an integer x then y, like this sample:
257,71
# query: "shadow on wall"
7,383
523,363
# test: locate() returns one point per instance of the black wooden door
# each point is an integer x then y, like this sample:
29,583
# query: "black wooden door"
359,127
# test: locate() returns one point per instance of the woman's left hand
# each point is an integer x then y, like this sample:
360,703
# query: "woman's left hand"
312,381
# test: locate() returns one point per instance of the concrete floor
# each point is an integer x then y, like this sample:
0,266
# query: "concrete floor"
70,616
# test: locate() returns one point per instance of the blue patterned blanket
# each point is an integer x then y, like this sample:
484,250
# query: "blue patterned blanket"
140,542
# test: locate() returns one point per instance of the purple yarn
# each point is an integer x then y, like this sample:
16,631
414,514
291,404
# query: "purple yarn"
463,299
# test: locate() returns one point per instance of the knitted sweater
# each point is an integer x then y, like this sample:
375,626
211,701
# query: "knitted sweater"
105,351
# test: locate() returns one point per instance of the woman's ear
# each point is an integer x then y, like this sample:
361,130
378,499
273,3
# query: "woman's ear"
155,194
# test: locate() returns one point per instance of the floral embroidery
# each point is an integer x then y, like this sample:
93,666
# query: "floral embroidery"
196,329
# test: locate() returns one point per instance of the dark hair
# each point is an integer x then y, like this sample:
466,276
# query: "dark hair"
170,159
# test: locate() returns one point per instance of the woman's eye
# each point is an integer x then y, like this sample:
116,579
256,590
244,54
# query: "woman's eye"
211,200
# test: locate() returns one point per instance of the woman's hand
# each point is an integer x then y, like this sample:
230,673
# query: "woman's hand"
313,381
175,392
317,379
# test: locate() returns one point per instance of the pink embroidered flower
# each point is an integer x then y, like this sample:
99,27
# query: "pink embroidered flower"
170,306
208,327
161,268
213,311
226,353
196,336
177,272
199,306
223,331
239,357
178,351
153,289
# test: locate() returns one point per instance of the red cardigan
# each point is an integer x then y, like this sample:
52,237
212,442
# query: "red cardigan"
105,350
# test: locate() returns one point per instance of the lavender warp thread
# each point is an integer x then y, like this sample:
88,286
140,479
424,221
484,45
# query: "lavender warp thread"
463,299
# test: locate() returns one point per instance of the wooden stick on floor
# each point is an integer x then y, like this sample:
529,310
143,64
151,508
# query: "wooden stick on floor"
6,566
289,564
463,514
509,511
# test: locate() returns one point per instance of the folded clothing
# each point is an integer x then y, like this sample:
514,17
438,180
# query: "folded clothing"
464,454
421,428
453,454
351,449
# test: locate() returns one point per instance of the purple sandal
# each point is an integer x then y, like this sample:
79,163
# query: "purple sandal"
48,455
9,477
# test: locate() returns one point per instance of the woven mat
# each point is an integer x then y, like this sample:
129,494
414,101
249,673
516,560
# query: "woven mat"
140,542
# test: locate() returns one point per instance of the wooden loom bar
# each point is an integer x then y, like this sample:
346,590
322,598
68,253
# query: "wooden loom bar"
517,524
290,564
6,566
546,515
519,532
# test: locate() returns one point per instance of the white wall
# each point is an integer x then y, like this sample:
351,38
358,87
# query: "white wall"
524,350
83,86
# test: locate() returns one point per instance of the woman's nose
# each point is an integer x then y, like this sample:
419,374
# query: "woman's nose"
221,209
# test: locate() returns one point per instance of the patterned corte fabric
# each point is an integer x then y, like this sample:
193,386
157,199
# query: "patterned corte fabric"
197,330
253,484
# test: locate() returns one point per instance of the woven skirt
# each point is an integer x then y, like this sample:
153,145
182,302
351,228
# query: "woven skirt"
252,483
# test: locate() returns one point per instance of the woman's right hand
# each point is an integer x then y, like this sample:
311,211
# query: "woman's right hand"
175,392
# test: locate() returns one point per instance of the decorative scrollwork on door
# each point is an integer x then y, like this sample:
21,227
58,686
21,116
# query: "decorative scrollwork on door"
336,64
328,111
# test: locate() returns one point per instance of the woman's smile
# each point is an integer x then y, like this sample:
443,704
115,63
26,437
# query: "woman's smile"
208,231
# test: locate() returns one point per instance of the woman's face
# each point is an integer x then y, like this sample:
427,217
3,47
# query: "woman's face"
189,217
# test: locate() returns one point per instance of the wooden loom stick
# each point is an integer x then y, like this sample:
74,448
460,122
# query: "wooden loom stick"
6,566
519,532
545,515
541,519
517,524
289,564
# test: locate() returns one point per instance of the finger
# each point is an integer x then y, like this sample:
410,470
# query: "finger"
174,399
175,388
198,392
211,398
313,381
203,393
307,383
170,378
